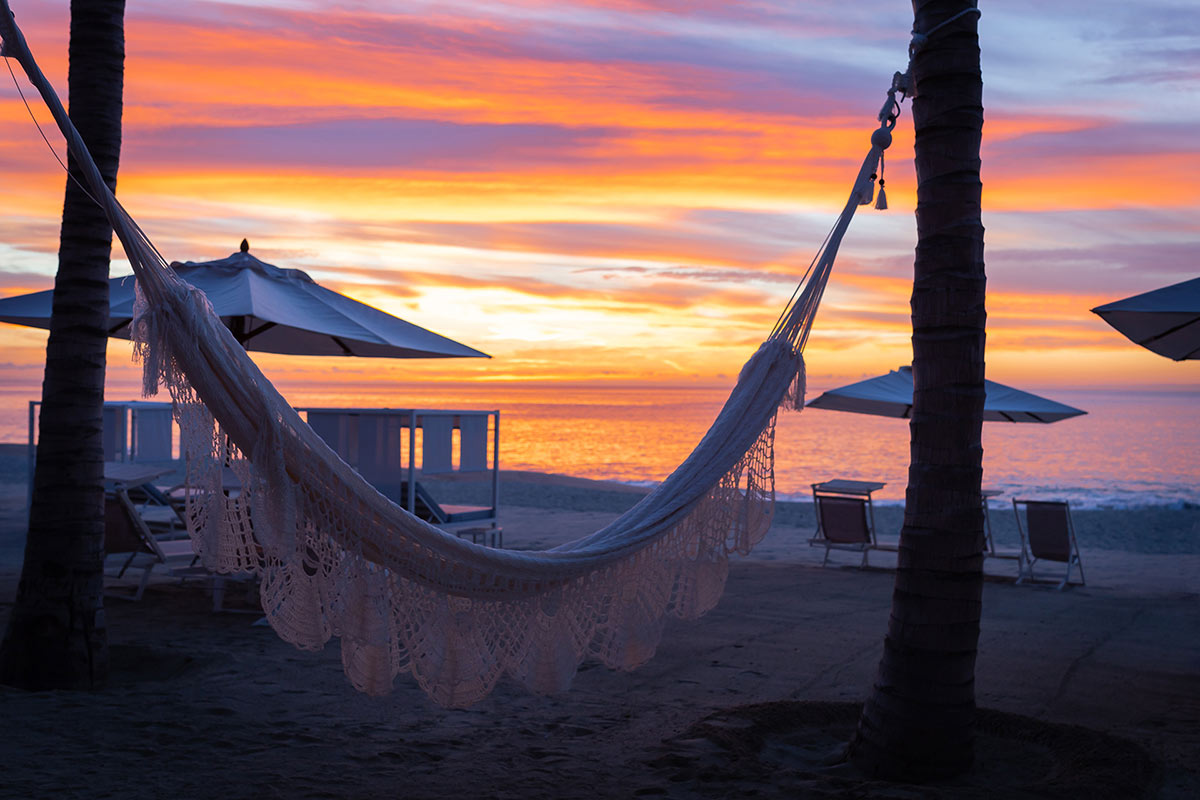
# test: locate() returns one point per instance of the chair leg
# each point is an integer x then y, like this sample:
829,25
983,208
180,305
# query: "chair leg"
145,581
825,560
125,566
1073,560
1028,573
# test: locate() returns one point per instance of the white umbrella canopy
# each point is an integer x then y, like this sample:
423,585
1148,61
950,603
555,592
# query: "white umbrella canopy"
270,310
1165,321
891,395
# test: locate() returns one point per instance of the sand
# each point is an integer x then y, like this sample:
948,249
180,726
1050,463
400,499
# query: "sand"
1093,691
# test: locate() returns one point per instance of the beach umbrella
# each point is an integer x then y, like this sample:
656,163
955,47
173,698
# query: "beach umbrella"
270,310
1165,321
891,395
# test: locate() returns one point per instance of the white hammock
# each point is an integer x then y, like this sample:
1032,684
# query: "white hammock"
336,558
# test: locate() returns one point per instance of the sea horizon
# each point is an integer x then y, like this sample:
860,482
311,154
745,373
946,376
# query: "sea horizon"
1135,447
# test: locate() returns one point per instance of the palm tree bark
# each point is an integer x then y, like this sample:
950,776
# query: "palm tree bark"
916,724
56,636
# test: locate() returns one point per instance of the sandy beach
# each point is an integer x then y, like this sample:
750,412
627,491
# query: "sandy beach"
208,704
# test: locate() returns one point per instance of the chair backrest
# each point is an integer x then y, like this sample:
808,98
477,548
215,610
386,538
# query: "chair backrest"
124,529
1048,525
844,519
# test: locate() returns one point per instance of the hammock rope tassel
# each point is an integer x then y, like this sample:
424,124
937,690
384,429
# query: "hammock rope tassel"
881,203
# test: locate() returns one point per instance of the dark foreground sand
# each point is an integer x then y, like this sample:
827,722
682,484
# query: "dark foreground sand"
209,705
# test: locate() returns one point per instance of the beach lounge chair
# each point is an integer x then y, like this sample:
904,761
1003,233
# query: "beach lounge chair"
454,518
1048,534
990,550
125,532
845,517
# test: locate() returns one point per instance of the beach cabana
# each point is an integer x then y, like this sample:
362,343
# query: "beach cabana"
891,395
1165,321
269,310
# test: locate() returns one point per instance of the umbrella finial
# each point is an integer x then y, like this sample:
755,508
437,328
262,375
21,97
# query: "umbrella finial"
245,246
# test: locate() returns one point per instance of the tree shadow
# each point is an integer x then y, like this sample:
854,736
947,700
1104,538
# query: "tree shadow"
794,748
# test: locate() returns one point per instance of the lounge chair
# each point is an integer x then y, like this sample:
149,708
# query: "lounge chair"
454,518
125,532
1049,535
990,550
845,517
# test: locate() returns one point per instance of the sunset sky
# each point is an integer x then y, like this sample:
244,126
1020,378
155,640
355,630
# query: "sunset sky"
628,190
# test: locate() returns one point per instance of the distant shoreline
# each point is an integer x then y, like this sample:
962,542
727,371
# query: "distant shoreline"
13,459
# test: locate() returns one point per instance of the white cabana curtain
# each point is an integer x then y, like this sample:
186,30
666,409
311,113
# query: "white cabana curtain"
337,559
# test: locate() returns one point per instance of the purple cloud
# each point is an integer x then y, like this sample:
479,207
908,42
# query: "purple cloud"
370,143
1112,139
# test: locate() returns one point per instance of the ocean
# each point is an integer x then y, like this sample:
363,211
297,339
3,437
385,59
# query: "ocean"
1131,449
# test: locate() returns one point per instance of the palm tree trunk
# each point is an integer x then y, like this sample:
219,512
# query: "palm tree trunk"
56,636
916,724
